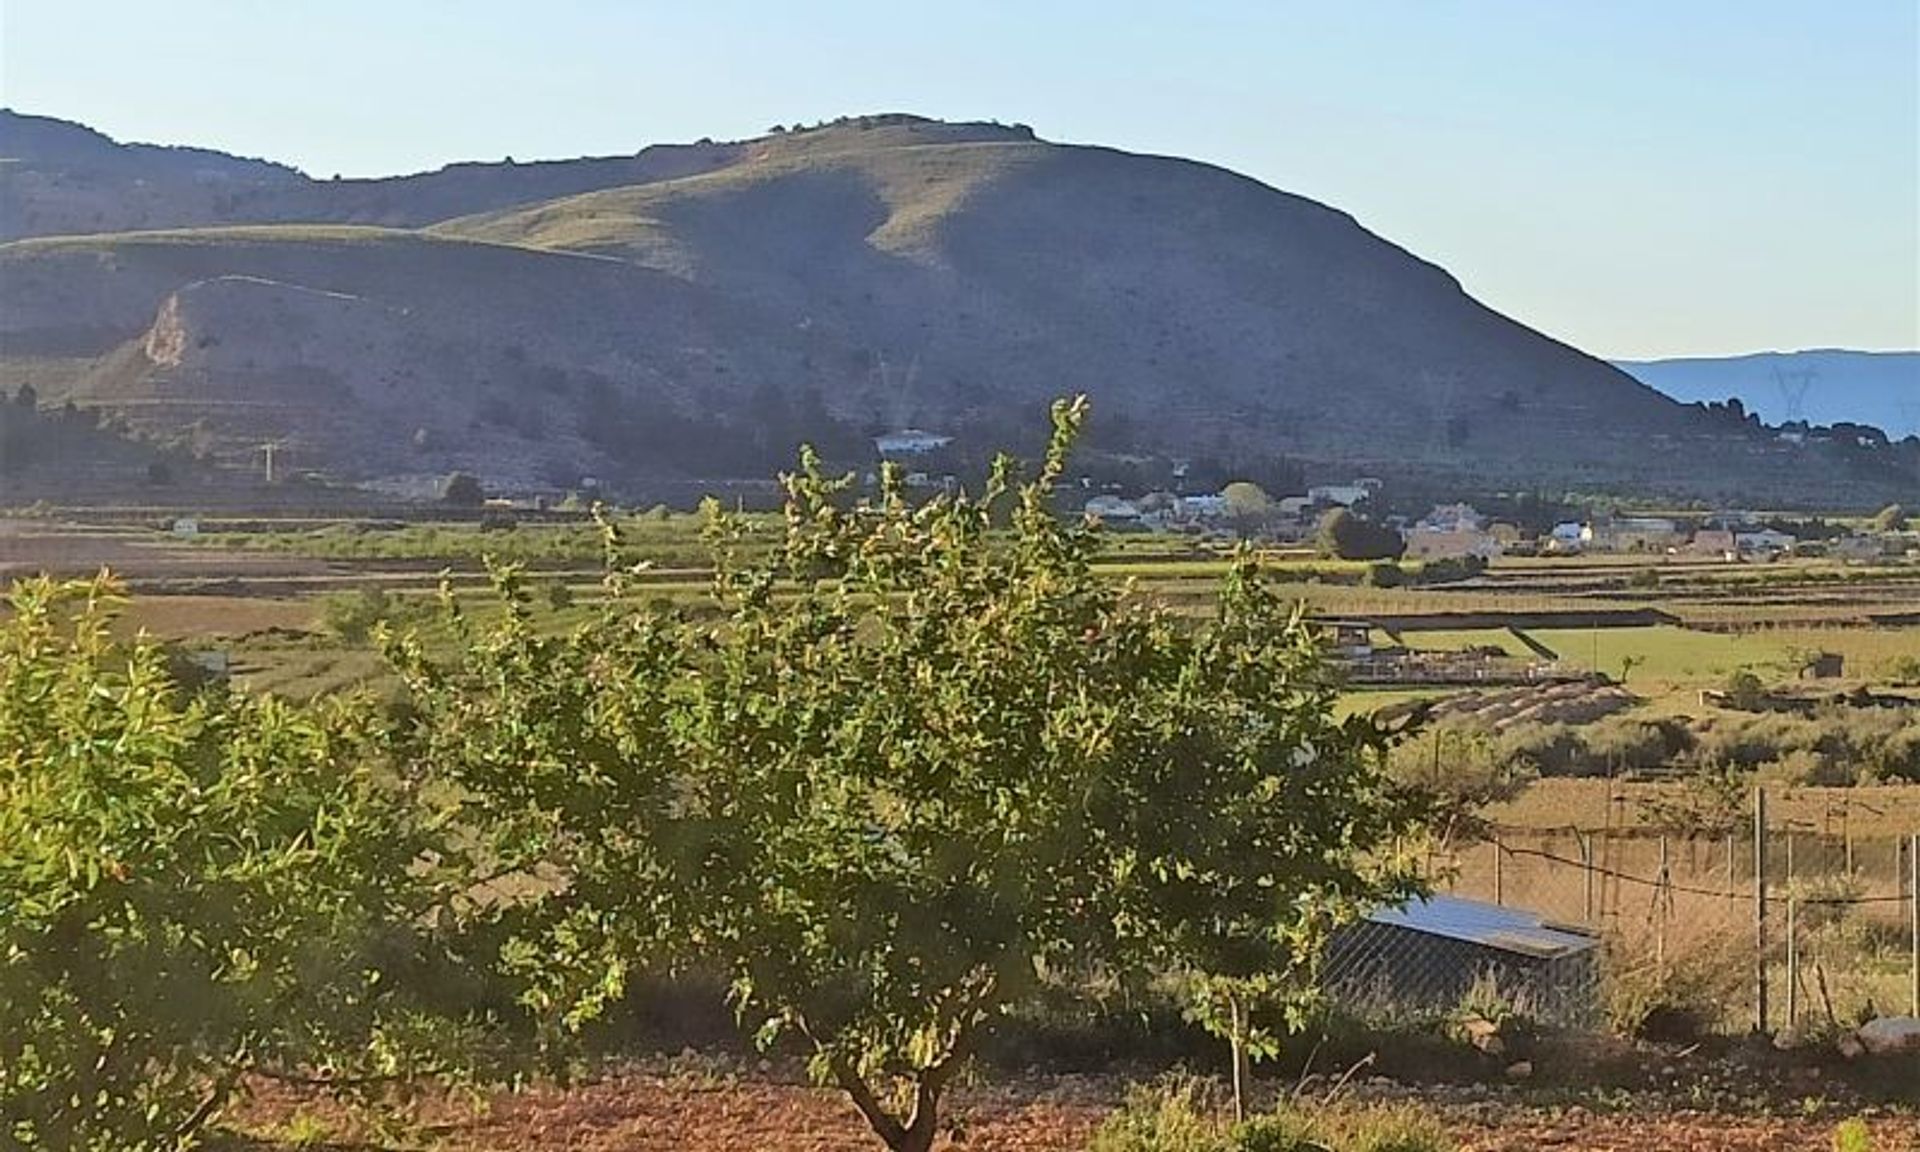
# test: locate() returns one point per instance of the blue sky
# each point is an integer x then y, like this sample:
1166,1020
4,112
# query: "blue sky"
1638,178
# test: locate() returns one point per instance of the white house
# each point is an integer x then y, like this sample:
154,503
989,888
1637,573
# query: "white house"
910,442
1568,535
1207,506
1112,508
1345,495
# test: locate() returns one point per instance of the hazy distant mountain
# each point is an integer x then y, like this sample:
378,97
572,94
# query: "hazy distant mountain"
1824,386
694,311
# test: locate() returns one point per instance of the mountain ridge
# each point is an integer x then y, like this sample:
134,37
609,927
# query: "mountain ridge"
723,301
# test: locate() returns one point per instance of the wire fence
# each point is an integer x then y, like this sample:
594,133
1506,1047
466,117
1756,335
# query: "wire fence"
1780,925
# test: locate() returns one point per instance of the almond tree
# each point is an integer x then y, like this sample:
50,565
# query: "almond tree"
192,888
924,761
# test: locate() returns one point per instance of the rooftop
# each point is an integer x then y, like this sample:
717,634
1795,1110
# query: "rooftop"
1488,925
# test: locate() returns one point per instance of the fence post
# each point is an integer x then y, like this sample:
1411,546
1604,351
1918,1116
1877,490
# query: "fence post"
1586,864
1913,919
1793,960
1760,910
1661,898
1499,872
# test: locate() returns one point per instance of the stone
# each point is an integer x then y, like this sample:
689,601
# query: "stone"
1521,1070
1891,1035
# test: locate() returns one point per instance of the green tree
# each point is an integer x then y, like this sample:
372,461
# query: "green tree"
950,763
193,887
1892,518
1346,536
463,489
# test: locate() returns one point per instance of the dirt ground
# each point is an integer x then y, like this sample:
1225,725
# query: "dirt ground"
680,1111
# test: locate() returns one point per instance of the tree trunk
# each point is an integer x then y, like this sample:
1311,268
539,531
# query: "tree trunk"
917,1134
1237,1038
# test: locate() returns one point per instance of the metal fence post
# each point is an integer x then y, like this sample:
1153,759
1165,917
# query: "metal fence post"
1793,960
1760,910
1586,867
1499,872
1913,919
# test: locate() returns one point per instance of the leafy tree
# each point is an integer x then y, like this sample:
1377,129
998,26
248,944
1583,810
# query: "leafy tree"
1349,537
949,764
192,888
27,396
463,489
1246,499
1892,518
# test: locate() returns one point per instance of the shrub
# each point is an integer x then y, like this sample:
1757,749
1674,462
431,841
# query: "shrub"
352,615
1853,1135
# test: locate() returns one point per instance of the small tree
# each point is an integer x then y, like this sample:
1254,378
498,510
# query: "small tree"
193,887
1349,537
1892,518
463,489
950,764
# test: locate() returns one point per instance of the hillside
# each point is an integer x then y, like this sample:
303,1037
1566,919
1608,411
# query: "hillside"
695,311
1825,386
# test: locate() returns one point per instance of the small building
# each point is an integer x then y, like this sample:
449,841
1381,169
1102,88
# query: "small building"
1568,534
186,527
1824,666
1429,543
1764,541
1344,495
1859,548
910,442
1452,518
1105,508
1714,542
1631,534
1426,955
1207,506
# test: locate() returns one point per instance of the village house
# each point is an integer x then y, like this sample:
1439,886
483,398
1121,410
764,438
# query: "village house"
1345,495
1764,542
1859,548
1631,534
1450,543
1567,536
1112,508
1451,531
909,442
1715,542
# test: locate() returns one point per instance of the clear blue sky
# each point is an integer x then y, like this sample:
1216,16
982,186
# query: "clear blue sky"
1637,177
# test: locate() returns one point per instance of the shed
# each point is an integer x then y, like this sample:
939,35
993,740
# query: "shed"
1824,666
1425,956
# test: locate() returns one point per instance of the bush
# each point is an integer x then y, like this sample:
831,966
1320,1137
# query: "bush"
1385,574
463,489
352,615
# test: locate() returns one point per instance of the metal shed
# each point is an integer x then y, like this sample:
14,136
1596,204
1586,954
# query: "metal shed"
1425,956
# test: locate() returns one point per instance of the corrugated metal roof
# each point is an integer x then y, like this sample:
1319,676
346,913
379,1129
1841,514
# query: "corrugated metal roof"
1489,925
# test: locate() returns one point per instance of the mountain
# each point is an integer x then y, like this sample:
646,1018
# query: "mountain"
1824,386
691,312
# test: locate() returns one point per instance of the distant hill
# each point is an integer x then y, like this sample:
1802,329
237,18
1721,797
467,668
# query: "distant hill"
1825,386
694,311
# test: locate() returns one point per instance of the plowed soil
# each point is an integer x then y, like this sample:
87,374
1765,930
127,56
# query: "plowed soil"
712,1112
